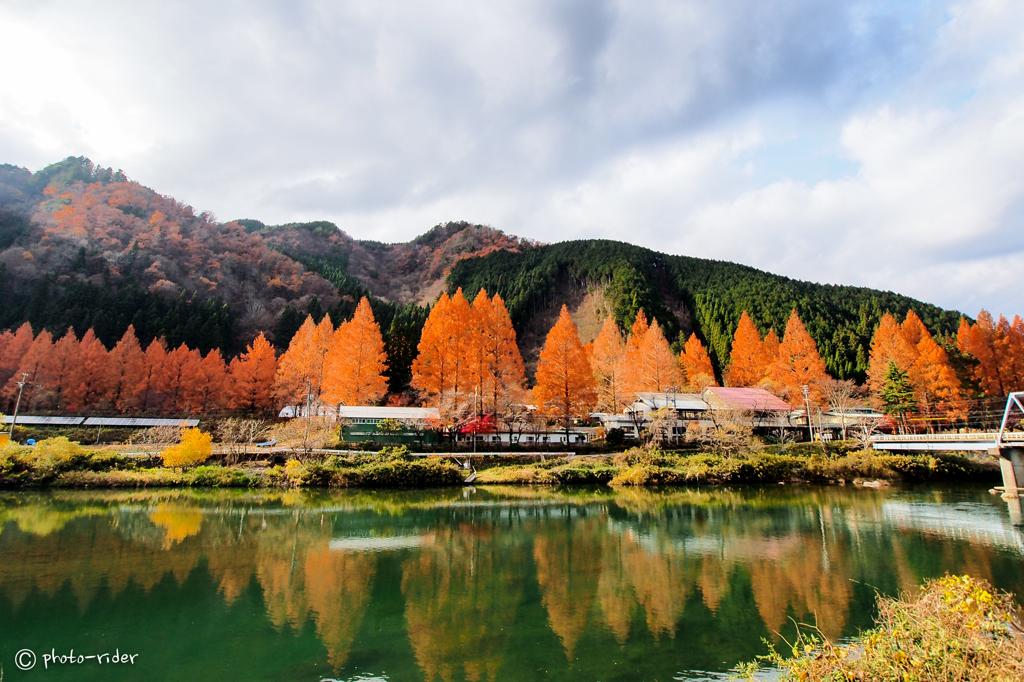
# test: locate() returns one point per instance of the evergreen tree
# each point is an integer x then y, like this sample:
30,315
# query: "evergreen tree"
898,394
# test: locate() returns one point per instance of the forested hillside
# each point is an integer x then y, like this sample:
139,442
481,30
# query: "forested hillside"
687,295
84,247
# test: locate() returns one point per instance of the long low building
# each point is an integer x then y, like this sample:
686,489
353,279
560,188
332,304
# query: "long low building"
761,410
361,423
116,422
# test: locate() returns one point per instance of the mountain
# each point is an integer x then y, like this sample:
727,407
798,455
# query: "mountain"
83,246
686,295
411,272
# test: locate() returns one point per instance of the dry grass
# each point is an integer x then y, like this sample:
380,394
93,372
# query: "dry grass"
958,628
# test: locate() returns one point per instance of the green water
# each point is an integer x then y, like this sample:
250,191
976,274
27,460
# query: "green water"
485,584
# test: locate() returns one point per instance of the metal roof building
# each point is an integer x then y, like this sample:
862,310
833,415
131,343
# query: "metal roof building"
30,420
141,423
137,422
746,399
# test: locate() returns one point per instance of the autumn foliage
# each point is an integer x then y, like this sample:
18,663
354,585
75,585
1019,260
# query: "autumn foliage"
998,348
783,366
195,448
565,382
468,359
300,369
469,363
696,364
797,364
750,358
353,369
608,363
81,375
910,348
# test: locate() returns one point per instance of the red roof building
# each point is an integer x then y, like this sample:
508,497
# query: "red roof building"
744,399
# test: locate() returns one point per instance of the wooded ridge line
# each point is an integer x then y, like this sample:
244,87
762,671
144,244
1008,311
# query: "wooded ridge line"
83,248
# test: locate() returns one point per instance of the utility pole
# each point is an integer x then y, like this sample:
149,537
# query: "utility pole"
309,397
807,405
21,387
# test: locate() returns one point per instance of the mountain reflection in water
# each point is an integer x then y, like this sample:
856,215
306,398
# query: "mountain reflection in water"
487,584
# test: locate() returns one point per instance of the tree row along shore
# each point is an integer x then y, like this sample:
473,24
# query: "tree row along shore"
467,362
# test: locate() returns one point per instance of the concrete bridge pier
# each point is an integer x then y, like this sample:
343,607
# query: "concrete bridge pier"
1011,464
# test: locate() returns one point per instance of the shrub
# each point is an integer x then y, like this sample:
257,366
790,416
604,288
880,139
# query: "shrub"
958,628
516,474
316,475
651,457
220,477
52,456
195,447
645,474
582,474
425,473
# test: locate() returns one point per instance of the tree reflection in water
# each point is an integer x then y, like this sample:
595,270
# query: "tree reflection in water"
635,575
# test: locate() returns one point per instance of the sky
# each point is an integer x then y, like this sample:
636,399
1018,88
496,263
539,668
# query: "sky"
873,143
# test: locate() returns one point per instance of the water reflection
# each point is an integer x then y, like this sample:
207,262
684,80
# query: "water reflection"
487,584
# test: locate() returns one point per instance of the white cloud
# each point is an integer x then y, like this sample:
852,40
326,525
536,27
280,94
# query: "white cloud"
671,124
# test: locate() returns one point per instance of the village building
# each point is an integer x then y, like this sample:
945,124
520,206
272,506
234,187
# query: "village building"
386,425
673,413
753,407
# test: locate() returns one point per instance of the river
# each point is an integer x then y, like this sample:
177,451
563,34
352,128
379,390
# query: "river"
496,583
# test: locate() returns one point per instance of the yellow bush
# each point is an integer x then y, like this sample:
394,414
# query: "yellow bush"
195,448
58,449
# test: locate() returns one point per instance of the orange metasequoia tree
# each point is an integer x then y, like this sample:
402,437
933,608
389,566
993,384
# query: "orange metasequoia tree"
798,363
749,357
213,384
182,378
606,358
889,344
127,372
696,364
911,348
300,368
631,375
14,347
252,377
479,364
655,367
935,383
59,368
440,369
155,380
565,384
355,363
771,348
496,367
91,379
32,365
999,350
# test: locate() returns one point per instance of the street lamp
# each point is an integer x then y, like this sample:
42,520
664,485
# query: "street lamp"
21,388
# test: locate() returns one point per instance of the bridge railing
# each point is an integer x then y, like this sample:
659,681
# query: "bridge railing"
950,437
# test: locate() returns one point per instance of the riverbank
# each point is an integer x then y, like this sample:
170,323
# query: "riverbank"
956,628
60,463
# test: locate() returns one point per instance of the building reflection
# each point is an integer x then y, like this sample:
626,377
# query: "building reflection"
621,567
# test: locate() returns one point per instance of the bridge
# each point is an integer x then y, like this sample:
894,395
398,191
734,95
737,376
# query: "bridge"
1008,446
